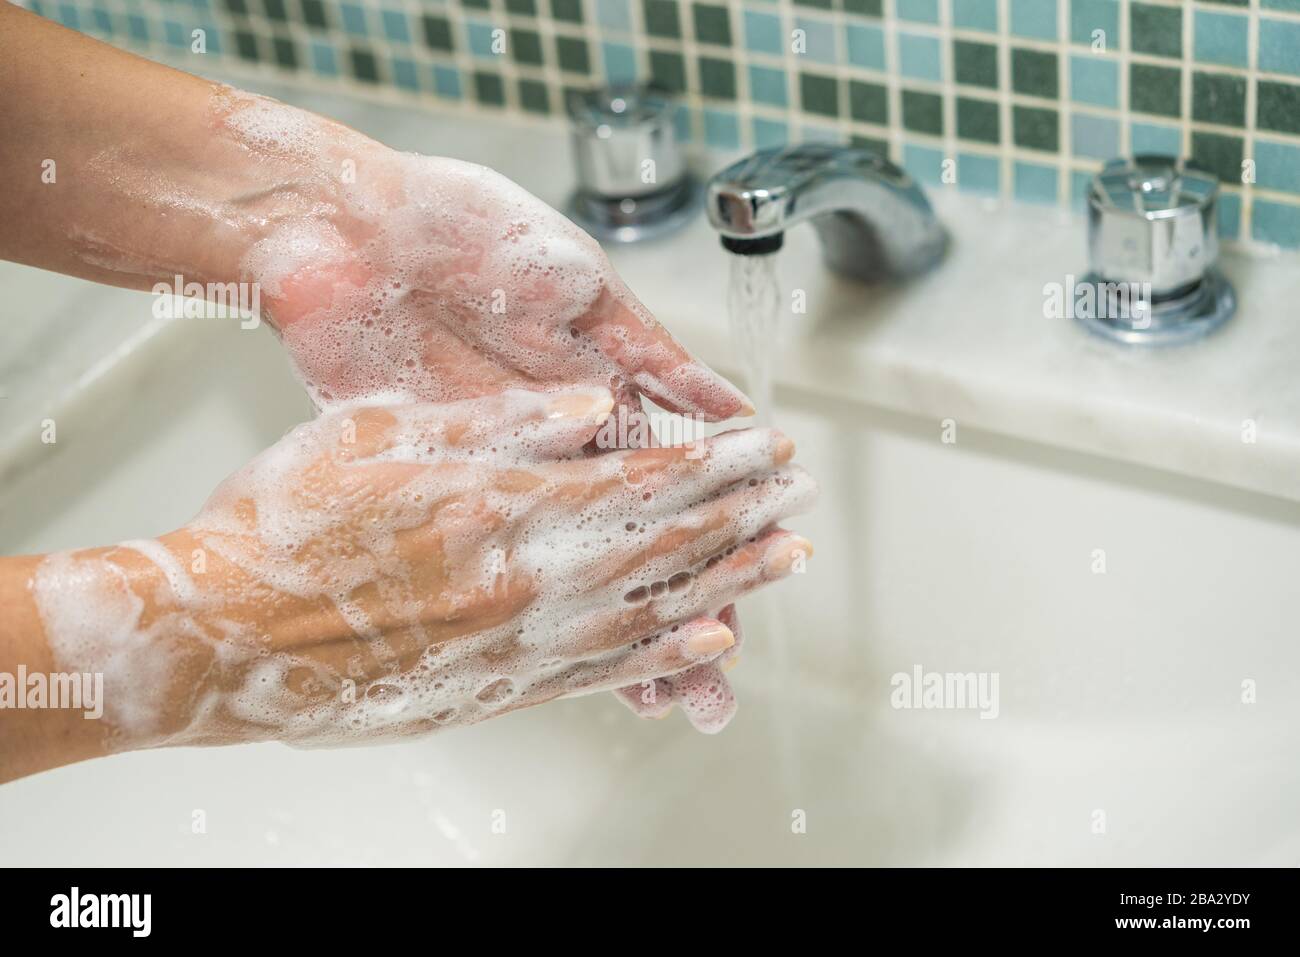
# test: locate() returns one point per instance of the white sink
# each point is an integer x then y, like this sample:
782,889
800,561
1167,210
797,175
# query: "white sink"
1120,692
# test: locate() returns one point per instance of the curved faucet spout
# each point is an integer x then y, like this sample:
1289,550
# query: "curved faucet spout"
873,220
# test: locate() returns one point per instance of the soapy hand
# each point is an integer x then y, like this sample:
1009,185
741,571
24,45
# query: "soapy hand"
433,279
388,570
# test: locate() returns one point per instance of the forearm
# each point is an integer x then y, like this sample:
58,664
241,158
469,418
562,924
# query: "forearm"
34,738
123,171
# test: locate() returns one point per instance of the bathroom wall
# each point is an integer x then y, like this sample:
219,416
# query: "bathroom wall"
1018,98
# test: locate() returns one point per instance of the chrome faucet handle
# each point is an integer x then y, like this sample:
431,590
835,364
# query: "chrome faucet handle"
633,182
1152,229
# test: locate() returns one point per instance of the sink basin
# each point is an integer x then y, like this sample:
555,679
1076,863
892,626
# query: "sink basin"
1124,734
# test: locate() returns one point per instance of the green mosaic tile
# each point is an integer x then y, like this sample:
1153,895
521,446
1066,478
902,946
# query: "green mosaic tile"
573,55
489,89
668,70
478,5
1219,98
1035,73
1221,154
1035,128
1155,89
526,46
712,24
533,96
1156,29
870,8
975,63
661,19
524,8
1278,106
275,10
286,53
978,120
569,11
313,14
246,46
437,33
868,102
364,65
819,94
878,146
922,112
717,78
816,4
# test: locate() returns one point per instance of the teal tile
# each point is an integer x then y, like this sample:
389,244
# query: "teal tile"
1157,30
614,15
1277,165
1094,80
1154,138
354,19
620,62
768,85
1293,5
763,33
1034,18
446,82
1096,137
1221,38
979,174
768,133
1272,222
925,163
480,39
1035,183
866,45
1089,16
1228,214
919,57
819,39
323,58
396,27
405,74
1079,183
975,15
1279,46
721,129
920,11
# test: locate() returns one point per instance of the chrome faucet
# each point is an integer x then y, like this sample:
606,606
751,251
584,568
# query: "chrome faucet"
873,220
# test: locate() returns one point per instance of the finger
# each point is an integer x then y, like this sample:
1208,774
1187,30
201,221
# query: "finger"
672,649
654,699
770,557
625,332
705,697
519,424
672,547
681,476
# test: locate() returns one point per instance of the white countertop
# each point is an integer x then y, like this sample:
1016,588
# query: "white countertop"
968,342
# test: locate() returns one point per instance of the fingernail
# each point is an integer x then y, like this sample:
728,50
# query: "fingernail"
746,409
784,450
579,405
710,639
730,663
799,549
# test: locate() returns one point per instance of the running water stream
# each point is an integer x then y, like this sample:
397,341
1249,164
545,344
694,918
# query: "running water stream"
754,308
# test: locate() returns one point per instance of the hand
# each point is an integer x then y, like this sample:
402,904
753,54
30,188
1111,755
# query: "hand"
390,570
425,278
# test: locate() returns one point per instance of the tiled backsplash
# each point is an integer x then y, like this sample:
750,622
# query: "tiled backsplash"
1021,98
